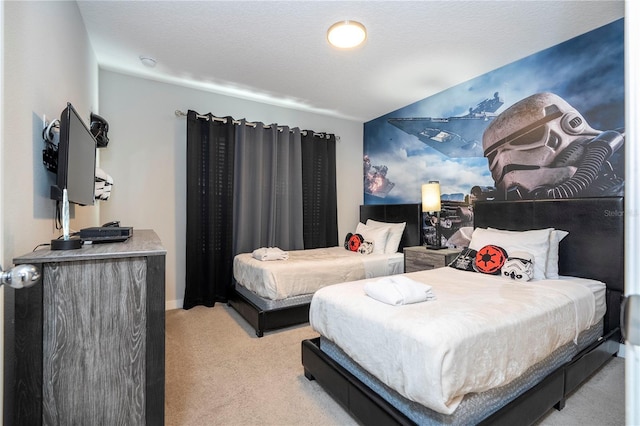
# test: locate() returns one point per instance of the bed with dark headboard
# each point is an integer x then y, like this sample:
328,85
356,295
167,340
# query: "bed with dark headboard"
265,315
594,248
397,213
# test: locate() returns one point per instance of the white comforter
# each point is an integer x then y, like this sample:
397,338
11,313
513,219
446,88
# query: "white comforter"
482,331
305,271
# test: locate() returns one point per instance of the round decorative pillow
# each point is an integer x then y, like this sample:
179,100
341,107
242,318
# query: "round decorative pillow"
490,259
346,240
519,266
366,247
355,241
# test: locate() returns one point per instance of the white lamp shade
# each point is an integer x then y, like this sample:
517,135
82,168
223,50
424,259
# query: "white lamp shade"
431,197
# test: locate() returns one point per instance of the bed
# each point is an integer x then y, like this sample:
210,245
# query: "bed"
265,304
593,251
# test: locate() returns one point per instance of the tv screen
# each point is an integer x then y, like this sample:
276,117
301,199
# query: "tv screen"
76,160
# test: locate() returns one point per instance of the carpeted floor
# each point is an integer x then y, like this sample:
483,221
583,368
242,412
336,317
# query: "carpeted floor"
219,373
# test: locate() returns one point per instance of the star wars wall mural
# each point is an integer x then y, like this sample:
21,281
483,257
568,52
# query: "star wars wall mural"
550,125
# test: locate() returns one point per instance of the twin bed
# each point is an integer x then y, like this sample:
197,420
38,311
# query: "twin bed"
276,294
487,350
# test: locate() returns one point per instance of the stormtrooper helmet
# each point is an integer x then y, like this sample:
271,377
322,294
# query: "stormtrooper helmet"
366,247
518,266
527,145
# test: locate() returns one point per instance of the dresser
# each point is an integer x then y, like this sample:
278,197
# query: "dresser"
419,258
86,343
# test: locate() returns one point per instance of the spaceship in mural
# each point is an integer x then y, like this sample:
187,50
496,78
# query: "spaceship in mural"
455,137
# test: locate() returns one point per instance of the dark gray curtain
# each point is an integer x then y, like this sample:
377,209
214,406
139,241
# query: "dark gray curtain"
251,186
210,170
267,188
319,190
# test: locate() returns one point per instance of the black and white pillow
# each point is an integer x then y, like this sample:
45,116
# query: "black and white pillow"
465,260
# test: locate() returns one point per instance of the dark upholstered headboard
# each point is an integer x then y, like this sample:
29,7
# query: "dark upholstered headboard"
397,213
594,247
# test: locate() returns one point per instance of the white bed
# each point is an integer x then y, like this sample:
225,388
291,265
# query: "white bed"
306,271
481,332
277,293
488,349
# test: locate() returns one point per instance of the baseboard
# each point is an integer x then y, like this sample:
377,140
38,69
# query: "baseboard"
173,304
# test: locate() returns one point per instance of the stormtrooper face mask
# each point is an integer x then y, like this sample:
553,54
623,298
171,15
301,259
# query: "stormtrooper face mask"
518,266
525,145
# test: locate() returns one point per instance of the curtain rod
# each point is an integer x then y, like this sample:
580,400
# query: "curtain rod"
247,123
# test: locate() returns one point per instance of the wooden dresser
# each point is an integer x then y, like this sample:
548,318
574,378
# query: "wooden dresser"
85,345
419,258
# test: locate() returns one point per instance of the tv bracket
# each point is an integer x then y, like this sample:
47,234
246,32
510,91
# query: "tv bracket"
50,151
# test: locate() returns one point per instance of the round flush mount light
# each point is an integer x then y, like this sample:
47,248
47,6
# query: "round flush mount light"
147,61
346,34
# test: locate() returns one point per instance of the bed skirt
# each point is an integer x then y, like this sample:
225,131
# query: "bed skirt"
476,406
270,305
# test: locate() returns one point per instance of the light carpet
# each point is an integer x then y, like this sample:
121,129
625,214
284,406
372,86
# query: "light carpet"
219,373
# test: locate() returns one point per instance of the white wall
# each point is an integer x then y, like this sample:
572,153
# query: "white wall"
632,201
47,62
146,157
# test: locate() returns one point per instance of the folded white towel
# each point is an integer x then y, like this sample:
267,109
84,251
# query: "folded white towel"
270,253
398,290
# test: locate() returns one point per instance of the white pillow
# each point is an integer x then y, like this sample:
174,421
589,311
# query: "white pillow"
535,242
551,268
554,250
395,234
378,236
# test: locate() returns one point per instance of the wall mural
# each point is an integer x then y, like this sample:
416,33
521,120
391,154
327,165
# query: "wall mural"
550,125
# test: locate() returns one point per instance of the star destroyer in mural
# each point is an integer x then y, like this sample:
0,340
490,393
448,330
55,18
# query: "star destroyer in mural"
455,137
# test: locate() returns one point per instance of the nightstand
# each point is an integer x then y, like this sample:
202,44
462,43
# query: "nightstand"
419,258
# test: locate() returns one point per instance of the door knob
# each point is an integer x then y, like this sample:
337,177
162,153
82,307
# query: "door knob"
21,276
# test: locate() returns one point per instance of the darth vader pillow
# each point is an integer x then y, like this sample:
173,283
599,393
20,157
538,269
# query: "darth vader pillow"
465,260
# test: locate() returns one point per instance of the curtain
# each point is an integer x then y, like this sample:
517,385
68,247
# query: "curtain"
210,170
268,188
251,186
320,208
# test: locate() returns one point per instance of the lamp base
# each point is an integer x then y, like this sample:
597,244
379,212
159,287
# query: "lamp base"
435,247
70,244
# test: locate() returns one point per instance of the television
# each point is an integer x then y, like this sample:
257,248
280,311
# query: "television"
76,160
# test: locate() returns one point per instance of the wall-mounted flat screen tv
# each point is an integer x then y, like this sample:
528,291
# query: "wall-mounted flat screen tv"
76,160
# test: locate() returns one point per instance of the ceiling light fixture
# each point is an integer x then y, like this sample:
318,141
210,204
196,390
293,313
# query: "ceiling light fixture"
346,34
147,61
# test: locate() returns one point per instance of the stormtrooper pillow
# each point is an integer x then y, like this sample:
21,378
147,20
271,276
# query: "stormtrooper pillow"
366,247
518,266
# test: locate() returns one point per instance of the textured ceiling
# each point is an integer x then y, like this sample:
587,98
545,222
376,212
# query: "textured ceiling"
276,51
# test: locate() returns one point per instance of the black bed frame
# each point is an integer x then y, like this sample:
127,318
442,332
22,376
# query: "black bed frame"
266,320
594,248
